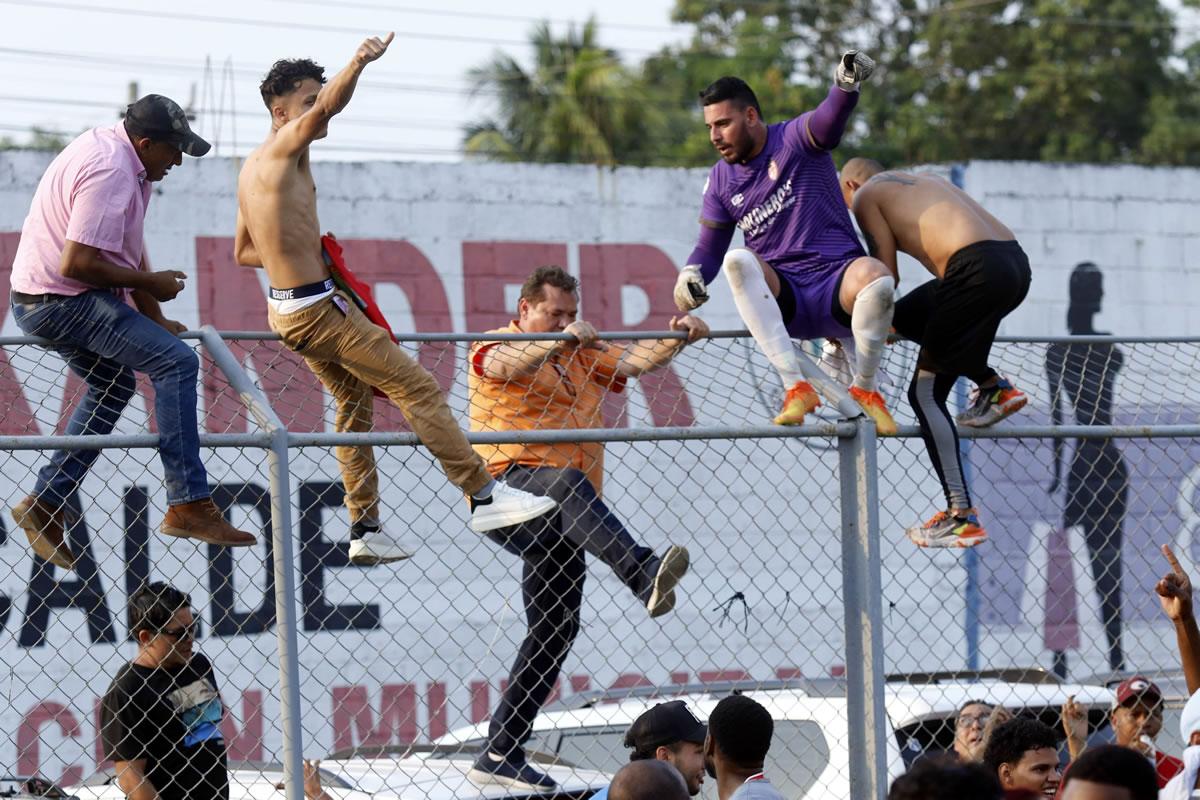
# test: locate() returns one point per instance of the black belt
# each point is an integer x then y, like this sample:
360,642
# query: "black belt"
300,292
20,298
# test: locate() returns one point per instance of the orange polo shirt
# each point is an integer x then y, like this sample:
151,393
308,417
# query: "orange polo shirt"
564,393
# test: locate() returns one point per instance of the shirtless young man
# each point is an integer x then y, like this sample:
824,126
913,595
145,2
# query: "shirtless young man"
277,228
981,275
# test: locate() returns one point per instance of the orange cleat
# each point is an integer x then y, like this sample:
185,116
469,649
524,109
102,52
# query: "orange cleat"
800,400
872,403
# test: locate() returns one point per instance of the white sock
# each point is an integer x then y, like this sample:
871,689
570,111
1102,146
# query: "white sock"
761,314
870,321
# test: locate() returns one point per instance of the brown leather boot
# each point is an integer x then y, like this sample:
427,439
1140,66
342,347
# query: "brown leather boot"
202,520
46,528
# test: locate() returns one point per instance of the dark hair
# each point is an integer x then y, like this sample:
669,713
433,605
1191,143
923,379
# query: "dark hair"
533,290
963,707
741,729
730,88
946,778
285,75
1113,765
152,607
1011,740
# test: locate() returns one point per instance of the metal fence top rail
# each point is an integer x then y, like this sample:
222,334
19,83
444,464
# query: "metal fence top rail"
11,341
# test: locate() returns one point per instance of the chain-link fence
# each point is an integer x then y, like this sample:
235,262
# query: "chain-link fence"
798,593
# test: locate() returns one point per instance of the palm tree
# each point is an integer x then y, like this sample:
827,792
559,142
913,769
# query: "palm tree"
577,103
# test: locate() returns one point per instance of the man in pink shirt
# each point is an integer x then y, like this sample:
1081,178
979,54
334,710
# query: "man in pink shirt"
80,259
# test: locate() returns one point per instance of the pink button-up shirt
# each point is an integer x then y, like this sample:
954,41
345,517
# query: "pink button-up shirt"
94,192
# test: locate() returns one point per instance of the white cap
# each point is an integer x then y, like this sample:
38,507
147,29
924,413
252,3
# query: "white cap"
1189,720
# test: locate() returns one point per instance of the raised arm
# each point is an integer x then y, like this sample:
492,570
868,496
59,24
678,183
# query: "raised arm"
1175,594
823,127
650,354
333,97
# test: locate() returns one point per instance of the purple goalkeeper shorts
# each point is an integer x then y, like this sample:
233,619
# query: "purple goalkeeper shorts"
809,301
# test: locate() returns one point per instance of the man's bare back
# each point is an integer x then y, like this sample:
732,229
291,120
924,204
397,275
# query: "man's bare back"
929,218
277,226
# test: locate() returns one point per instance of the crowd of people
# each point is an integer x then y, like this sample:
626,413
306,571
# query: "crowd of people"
1002,754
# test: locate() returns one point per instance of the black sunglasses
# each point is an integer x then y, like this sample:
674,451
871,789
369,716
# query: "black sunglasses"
188,631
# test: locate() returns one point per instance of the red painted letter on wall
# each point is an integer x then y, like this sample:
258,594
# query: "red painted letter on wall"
29,736
15,416
354,720
604,270
230,298
400,263
246,744
489,267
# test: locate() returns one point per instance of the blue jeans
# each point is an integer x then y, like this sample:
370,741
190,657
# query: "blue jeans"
103,341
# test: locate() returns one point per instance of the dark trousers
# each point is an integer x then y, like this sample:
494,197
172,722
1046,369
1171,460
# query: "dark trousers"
955,320
552,549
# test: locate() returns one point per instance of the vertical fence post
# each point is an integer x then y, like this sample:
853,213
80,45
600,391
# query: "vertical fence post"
283,559
285,615
862,598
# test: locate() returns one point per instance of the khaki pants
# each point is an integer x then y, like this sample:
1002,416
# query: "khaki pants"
350,354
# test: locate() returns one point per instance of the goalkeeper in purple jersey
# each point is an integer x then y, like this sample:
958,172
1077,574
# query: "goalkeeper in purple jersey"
803,273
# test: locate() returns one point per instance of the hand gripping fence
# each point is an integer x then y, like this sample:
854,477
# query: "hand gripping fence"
803,591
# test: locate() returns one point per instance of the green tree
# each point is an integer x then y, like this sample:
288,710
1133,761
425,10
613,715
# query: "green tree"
1061,80
784,49
577,103
39,139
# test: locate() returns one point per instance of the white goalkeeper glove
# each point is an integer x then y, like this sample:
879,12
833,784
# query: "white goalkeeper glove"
690,292
853,69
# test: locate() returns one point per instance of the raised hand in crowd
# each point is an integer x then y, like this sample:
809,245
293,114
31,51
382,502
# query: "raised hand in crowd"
1175,594
1075,725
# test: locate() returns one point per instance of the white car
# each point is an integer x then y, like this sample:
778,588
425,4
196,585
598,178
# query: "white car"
382,773
809,755
30,788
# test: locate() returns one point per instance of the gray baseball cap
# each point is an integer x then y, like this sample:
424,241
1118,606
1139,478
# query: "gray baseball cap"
161,119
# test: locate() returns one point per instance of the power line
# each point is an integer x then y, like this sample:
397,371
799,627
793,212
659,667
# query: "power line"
342,119
275,24
474,15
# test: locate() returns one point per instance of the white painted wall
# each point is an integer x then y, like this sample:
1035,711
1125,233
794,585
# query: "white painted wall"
760,517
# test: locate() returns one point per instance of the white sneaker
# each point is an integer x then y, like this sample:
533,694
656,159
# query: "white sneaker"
507,506
376,546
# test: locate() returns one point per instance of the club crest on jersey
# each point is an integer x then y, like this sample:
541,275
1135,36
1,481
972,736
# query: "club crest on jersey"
773,170
737,200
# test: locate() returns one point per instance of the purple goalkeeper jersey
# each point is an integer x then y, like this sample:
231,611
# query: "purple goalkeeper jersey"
787,202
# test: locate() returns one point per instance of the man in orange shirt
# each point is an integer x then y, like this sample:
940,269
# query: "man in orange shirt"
549,385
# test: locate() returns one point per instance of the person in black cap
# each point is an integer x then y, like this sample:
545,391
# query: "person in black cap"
80,260
668,732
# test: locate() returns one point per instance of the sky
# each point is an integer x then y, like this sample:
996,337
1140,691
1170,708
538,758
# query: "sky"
68,63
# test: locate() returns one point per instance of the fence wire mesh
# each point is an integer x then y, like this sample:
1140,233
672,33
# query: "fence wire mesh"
402,665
